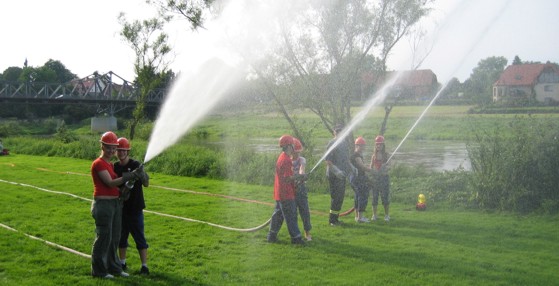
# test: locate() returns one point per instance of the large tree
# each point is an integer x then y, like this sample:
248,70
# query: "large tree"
326,48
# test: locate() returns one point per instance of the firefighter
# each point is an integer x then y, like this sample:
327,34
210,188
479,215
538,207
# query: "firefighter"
338,169
284,194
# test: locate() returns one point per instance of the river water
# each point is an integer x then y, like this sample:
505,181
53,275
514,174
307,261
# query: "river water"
435,155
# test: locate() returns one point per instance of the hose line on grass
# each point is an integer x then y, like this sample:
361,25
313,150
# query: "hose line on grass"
148,211
48,242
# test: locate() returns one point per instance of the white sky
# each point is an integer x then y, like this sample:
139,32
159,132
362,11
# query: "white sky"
84,35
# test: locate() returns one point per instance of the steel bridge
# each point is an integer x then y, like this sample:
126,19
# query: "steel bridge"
98,89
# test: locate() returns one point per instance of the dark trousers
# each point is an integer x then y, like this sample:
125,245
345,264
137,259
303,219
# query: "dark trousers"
285,210
133,223
361,190
337,192
108,220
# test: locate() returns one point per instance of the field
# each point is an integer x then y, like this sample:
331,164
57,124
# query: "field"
186,227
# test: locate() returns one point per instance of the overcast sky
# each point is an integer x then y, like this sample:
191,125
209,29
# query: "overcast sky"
83,35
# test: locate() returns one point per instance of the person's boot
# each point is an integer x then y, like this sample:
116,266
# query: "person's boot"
272,237
298,240
334,219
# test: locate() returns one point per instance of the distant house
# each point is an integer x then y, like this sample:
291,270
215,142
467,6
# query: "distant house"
528,81
410,85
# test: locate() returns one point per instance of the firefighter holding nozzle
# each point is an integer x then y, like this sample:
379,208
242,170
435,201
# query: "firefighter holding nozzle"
338,170
132,197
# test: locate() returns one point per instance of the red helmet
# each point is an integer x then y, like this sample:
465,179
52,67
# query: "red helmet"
298,145
360,141
285,140
379,139
123,144
109,138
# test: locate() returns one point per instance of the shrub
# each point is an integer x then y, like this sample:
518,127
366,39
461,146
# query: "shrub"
515,168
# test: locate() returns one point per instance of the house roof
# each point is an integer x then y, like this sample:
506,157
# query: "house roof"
407,78
417,78
525,74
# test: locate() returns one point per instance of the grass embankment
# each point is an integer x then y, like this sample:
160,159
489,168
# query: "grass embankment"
435,247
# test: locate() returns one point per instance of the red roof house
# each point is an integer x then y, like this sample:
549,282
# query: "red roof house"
528,81
411,84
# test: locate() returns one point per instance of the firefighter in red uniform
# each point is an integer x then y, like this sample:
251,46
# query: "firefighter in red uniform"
284,194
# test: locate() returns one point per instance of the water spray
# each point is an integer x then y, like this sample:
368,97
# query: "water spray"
377,98
470,50
417,121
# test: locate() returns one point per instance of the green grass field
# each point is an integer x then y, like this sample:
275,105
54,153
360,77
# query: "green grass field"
440,246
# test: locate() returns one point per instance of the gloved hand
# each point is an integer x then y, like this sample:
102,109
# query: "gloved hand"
337,172
145,179
140,174
129,176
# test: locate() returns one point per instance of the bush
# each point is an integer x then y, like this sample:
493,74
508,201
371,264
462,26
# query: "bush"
9,128
515,168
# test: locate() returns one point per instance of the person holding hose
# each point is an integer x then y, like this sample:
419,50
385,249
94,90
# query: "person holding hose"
301,194
284,194
338,168
106,210
360,183
381,181
133,205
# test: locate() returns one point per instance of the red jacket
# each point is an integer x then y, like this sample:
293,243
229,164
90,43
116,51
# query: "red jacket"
284,189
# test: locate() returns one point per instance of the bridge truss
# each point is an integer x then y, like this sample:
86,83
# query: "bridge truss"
99,89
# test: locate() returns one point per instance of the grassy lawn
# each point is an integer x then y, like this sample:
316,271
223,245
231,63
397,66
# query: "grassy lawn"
437,247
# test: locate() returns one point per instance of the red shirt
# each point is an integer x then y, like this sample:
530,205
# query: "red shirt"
100,189
283,188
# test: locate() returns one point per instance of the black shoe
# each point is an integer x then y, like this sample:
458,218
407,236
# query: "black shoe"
298,240
272,238
336,223
124,267
144,270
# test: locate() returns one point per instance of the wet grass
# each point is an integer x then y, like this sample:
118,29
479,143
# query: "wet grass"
440,246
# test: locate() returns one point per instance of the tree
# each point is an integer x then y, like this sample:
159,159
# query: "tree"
452,89
479,86
192,10
516,61
12,74
325,50
149,43
62,73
